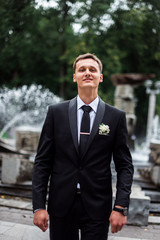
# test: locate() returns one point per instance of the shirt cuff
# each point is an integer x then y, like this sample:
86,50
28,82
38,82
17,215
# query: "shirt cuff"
38,210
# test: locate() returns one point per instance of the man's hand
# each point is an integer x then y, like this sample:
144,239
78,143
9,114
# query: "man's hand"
41,219
117,221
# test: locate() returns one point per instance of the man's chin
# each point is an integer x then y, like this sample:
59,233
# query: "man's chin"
87,85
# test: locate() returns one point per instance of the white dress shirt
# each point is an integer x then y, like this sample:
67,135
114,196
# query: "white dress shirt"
92,115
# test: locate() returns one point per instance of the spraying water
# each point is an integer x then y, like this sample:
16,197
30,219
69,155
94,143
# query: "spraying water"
25,105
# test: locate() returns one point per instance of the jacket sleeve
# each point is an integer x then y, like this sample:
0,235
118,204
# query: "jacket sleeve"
42,165
123,164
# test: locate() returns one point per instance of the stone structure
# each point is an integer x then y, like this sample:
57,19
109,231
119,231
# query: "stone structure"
15,168
153,172
154,157
155,175
130,78
138,208
124,100
124,97
17,159
27,138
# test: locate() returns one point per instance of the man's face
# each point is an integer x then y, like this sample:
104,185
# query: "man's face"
87,74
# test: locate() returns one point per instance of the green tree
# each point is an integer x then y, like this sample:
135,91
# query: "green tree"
15,19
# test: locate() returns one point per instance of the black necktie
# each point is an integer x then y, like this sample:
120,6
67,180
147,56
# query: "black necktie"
85,128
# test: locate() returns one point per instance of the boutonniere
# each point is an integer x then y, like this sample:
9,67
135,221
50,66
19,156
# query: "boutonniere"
103,129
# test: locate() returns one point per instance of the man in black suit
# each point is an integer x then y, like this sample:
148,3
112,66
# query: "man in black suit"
78,140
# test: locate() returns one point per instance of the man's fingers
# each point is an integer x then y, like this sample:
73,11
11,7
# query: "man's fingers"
45,224
117,221
41,219
115,227
41,224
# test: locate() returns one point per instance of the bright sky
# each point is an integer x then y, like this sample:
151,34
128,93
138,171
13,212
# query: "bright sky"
46,4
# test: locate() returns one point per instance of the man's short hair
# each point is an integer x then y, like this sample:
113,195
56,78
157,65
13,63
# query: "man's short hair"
85,56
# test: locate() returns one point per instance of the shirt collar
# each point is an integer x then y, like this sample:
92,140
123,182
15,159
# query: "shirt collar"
93,104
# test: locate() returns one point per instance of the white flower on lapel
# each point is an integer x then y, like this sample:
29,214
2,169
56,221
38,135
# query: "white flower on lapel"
103,129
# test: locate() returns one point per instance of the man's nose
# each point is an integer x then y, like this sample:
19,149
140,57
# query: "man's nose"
87,71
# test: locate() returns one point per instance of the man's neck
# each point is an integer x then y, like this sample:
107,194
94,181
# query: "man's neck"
87,96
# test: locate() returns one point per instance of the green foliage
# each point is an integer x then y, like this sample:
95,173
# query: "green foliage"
15,18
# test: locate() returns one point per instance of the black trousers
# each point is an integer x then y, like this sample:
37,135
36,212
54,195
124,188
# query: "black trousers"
78,221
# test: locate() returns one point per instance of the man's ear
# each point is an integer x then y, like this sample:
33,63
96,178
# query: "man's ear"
101,78
74,78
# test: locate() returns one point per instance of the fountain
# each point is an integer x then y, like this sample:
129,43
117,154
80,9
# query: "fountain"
22,114
25,105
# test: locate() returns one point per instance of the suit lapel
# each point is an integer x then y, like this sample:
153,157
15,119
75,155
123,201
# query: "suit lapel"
73,121
97,121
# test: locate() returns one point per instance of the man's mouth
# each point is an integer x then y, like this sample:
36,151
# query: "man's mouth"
87,79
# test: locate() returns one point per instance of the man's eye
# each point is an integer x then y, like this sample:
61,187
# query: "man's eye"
81,69
92,70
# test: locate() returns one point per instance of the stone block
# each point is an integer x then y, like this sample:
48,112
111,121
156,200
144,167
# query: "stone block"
125,105
27,138
155,152
138,208
131,122
15,168
155,175
124,91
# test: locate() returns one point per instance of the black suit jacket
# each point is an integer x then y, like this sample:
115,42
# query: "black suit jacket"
58,161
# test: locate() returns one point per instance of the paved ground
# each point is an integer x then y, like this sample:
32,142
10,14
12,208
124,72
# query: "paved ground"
16,223
18,231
